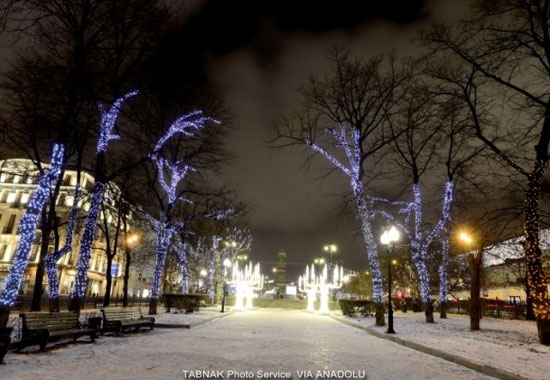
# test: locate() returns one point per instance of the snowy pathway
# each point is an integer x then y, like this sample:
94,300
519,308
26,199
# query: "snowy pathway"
263,340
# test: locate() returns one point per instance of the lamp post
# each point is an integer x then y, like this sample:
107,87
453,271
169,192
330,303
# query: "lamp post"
227,265
331,248
388,238
131,240
202,275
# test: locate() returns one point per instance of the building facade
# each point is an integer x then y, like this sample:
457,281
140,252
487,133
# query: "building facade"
18,180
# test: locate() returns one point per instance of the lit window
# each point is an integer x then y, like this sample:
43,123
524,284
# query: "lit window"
11,197
25,197
69,201
8,228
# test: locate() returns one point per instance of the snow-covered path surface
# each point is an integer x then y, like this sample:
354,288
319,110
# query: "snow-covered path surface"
510,345
261,340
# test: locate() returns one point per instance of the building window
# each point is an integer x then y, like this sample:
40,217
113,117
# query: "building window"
25,198
67,180
11,197
8,228
34,253
17,200
3,249
61,199
4,197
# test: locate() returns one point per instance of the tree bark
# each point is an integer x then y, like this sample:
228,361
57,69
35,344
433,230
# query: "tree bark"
379,315
535,275
443,310
36,303
475,262
108,281
126,275
429,312
529,312
153,306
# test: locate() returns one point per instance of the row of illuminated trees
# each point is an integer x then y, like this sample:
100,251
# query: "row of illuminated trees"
468,118
66,102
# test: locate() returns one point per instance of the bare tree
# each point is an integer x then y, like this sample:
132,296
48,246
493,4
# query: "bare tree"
346,119
498,65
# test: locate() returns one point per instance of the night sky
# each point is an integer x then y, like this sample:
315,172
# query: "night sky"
255,55
258,62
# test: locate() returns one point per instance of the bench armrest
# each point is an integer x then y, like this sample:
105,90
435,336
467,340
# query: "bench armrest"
152,319
94,322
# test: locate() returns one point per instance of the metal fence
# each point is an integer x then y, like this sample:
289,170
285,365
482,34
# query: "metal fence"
494,308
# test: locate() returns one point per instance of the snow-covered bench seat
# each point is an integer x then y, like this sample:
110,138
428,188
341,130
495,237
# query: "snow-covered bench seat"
39,328
118,320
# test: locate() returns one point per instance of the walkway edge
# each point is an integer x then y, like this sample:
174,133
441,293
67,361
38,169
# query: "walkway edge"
221,315
191,325
476,366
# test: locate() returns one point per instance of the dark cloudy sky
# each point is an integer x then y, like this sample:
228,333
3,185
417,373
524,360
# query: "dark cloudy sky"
256,54
257,57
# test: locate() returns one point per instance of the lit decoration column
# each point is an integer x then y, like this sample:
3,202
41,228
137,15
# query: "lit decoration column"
307,284
247,280
108,121
27,230
312,285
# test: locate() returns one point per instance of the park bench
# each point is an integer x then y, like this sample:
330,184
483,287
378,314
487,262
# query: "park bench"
39,328
118,320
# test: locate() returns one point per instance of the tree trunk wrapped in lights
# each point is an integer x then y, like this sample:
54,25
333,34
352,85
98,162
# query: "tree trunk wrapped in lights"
27,232
354,170
360,98
186,125
420,241
51,260
108,121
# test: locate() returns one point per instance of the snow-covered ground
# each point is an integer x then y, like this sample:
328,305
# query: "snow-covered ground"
506,344
162,317
274,340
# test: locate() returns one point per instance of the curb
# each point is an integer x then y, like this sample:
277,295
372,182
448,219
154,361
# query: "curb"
471,364
191,325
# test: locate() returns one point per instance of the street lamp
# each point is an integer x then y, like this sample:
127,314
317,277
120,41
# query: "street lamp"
243,257
388,238
331,248
202,275
131,240
227,265
319,261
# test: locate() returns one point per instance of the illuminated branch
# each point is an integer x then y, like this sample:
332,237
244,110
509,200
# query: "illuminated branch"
186,125
108,121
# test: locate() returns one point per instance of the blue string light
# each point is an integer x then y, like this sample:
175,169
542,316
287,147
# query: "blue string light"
185,125
50,261
354,154
87,240
27,226
419,242
108,121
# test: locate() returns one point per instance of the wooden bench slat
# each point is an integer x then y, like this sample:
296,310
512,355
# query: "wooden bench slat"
38,328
